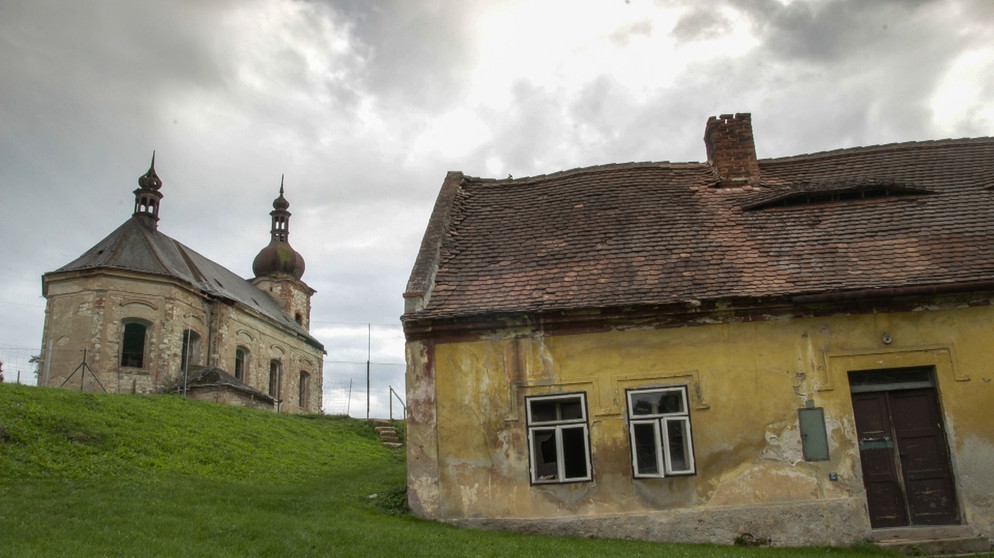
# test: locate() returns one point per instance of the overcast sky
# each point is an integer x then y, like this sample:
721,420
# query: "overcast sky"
364,106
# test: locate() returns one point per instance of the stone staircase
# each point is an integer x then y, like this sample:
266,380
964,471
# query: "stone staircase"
388,434
942,540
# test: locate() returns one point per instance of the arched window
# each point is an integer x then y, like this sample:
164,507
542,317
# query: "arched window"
305,390
191,349
274,377
241,363
133,344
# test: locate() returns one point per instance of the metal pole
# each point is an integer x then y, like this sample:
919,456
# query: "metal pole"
369,329
186,359
82,375
279,385
348,402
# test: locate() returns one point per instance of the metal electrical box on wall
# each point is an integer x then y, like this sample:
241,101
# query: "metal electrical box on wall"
814,438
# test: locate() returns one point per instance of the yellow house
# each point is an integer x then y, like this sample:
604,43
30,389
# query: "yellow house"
782,351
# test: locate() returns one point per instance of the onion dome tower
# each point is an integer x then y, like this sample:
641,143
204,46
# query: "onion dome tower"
147,197
278,267
279,257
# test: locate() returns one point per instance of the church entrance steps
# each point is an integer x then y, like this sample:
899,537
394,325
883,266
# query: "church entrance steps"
387,432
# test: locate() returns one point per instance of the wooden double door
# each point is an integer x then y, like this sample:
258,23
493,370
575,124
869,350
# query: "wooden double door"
903,449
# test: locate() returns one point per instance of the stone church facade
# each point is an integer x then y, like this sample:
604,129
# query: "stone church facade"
140,312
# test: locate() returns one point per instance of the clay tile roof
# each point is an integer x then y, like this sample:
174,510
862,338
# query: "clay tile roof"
919,213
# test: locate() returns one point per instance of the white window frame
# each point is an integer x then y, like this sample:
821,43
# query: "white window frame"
558,426
660,422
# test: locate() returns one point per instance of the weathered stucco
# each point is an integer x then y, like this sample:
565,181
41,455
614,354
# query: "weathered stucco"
468,455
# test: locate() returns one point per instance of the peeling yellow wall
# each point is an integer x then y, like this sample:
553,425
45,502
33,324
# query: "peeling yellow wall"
746,382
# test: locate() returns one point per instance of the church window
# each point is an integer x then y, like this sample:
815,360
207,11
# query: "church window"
133,344
241,363
191,349
274,377
305,390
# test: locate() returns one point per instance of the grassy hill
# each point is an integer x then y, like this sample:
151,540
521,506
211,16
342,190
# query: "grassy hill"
86,474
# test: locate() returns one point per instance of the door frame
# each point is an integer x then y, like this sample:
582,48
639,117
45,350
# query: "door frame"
890,461
835,376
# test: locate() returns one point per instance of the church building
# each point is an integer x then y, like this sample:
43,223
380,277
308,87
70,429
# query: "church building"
140,312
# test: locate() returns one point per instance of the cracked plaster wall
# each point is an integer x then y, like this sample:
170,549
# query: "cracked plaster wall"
746,381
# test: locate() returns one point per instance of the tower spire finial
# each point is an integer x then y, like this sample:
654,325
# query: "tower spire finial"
278,257
147,196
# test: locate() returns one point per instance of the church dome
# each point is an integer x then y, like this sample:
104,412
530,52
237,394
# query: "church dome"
279,257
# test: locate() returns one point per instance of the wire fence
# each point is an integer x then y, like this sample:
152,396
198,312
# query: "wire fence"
364,390
356,389
19,364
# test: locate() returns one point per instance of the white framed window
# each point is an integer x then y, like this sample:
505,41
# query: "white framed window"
659,425
558,438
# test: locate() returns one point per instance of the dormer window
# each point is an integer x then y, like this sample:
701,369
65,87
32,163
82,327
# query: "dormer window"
811,194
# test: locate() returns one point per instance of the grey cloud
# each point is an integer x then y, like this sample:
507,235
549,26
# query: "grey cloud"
90,89
419,51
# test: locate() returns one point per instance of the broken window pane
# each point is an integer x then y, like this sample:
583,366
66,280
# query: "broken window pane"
545,454
559,450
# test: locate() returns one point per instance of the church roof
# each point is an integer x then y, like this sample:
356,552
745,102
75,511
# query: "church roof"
657,233
136,247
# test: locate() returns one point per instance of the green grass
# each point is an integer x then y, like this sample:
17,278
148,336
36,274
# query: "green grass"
121,475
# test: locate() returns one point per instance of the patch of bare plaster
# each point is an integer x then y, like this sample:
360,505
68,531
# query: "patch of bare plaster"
569,498
420,385
773,476
468,496
423,495
508,461
976,455
841,437
783,444
547,370
766,483
800,390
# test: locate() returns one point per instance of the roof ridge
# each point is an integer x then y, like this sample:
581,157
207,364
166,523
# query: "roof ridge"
149,236
893,146
586,170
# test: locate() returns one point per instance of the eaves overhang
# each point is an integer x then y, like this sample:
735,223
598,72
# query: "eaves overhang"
699,312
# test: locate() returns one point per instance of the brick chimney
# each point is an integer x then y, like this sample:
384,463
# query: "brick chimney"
732,150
